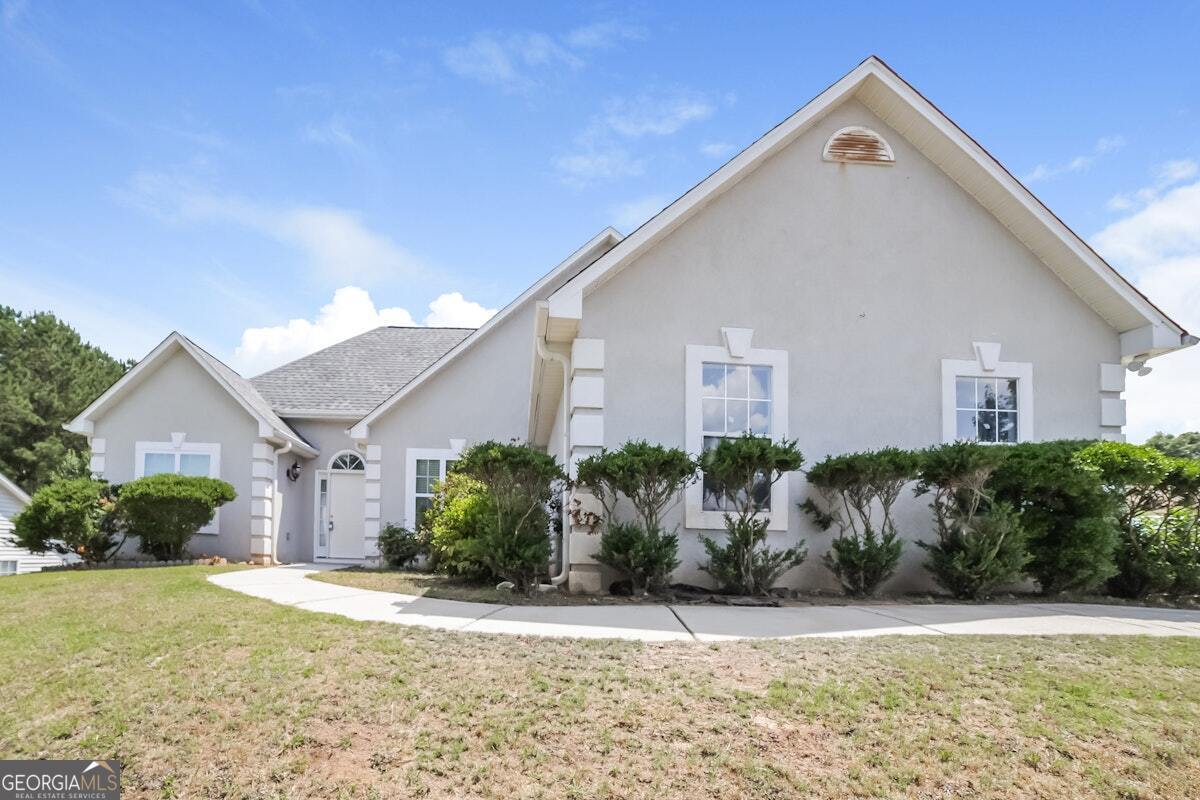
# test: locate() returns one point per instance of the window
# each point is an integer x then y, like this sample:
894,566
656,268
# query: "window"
993,406
180,463
349,462
425,469
736,400
985,409
180,458
8,567
731,391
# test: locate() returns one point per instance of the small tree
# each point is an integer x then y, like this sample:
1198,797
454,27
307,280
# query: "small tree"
980,544
164,511
70,516
1183,445
652,477
1158,502
742,470
1069,517
858,492
520,484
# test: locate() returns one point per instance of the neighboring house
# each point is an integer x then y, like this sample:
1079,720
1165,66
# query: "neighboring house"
16,560
863,275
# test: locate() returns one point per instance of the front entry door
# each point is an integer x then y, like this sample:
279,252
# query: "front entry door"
345,515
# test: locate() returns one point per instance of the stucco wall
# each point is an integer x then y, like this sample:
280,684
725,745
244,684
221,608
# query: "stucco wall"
483,394
179,396
869,276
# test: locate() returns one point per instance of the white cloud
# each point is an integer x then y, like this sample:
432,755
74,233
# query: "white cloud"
596,165
1080,163
1160,247
337,243
716,149
349,313
629,216
1166,175
510,61
335,133
600,152
519,61
660,113
452,310
603,35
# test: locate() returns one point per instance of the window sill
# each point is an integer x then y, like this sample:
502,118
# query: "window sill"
696,518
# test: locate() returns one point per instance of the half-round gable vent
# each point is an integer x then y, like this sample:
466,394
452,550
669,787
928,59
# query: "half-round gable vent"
857,145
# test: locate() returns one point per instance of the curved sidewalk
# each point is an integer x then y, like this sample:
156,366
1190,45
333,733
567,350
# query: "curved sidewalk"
290,585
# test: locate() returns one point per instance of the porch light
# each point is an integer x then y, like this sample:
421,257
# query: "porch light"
293,472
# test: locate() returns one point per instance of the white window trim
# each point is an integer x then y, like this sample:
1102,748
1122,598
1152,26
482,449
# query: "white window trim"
411,455
1021,371
213,451
16,566
695,516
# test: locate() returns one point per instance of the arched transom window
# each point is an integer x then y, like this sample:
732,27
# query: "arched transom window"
350,462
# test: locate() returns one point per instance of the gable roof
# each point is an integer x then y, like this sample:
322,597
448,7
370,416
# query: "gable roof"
899,105
348,379
269,423
7,484
592,250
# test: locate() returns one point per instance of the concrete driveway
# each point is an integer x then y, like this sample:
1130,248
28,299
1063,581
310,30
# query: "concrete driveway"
289,585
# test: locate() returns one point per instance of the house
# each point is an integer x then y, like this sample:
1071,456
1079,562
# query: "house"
865,274
16,560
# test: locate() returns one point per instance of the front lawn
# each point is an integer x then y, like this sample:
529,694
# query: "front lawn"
200,691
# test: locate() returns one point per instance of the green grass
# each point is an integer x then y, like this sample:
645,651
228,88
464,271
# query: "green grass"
202,692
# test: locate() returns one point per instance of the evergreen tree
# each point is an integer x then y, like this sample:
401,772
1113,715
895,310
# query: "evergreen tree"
48,374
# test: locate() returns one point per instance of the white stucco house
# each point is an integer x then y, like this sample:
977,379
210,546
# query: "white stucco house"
865,274
16,560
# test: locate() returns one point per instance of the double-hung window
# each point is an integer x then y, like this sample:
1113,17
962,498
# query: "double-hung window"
427,474
730,394
425,469
736,400
185,458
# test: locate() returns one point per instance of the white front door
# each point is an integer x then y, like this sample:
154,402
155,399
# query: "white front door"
344,515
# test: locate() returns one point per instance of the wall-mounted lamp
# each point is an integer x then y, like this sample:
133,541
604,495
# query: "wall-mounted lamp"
293,472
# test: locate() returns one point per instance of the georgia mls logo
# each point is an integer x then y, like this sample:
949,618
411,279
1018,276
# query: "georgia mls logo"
60,780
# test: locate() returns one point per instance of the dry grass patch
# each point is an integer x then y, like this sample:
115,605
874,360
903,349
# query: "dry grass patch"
202,692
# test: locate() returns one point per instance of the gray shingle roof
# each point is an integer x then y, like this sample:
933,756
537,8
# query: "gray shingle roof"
352,377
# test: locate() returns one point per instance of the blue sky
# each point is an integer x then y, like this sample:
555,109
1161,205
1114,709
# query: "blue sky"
218,167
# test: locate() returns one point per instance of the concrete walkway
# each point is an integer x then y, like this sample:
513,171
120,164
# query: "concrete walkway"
706,623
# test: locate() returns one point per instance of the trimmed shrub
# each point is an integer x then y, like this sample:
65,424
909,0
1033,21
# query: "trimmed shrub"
652,477
646,559
520,483
1156,496
69,516
399,546
1069,518
455,522
980,544
164,511
742,471
858,492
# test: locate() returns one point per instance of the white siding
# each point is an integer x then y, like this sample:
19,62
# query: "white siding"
10,506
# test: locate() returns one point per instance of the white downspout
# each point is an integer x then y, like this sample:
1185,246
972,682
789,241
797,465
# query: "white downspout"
287,448
545,352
